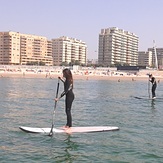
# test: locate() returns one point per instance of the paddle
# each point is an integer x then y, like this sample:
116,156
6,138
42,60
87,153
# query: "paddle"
51,131
148,88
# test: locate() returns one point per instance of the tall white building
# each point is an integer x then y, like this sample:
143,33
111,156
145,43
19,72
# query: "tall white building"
117,47
68,50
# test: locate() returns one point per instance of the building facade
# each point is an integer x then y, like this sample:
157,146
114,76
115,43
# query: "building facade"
68,50
9,48
22,49
117,47
145,58
159,53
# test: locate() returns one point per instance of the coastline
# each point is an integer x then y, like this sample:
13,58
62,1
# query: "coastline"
79,73
143,76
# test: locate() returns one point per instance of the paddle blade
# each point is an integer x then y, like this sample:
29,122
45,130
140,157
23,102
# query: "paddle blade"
51,131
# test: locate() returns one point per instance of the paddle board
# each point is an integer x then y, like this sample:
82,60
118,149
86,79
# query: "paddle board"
70,130
147,98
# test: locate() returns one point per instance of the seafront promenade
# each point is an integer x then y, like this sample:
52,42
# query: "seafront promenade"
84,73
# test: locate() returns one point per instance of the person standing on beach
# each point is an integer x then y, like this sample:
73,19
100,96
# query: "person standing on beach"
154,85
68,92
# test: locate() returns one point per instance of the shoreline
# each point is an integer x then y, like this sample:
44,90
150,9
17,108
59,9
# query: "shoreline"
79,73
77,76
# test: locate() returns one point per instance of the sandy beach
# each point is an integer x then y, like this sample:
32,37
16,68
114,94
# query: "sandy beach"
82,73
90,75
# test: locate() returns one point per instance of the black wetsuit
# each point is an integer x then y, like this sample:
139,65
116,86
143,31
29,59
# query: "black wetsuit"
154,85
68,91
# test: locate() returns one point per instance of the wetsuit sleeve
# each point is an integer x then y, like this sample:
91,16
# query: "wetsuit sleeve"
152,80
67,88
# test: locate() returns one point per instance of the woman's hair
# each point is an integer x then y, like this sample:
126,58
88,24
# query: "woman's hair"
68,75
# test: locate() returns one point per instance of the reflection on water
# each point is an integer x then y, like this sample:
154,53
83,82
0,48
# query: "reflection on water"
153,104
70,144
62,148
70,147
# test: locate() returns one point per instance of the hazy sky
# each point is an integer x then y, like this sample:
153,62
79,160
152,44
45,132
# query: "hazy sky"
84,19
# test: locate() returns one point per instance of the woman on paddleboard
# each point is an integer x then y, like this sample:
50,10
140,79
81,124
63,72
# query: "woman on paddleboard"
154,85
68,92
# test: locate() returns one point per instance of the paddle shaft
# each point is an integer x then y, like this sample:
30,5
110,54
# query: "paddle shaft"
148,88
55,105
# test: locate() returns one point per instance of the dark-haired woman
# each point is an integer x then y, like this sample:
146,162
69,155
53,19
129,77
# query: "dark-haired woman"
68,92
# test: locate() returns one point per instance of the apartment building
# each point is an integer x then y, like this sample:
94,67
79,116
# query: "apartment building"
9,48
159,53
68,50
17,48
117,47
145,58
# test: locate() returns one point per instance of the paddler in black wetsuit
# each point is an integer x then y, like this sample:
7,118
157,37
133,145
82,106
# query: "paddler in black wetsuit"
154,85
68,92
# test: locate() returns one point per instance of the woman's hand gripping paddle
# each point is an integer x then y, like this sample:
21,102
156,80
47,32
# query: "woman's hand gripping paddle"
51,131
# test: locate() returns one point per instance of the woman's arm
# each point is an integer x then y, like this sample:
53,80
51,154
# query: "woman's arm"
67,88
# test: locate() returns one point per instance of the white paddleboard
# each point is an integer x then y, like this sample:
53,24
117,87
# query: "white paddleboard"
147,98
70,130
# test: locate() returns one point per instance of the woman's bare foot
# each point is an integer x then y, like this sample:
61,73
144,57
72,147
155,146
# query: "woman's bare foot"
65,127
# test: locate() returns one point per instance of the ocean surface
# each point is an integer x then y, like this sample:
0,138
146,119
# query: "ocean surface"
30,102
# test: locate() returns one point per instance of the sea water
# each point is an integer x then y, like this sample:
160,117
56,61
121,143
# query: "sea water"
30,102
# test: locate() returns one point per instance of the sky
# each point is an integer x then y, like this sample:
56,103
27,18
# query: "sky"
84,19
